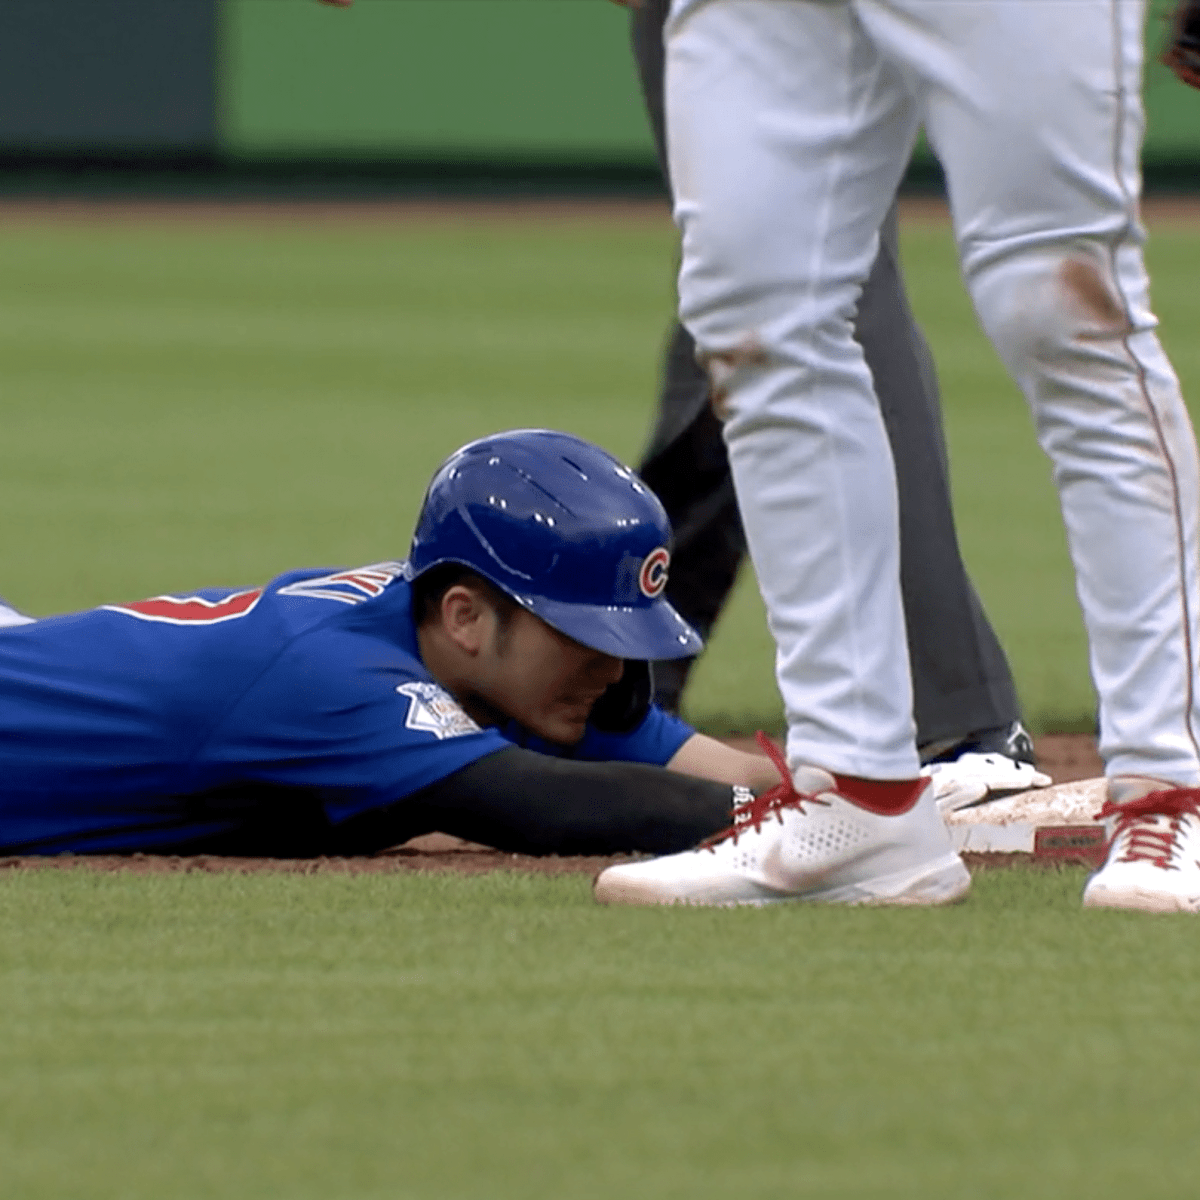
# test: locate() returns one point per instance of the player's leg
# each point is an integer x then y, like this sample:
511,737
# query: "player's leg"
1047,223
963,691
964,696
787,140
779,217
1039,124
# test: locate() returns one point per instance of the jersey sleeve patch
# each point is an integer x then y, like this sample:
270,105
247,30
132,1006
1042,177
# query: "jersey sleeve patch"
190,610
433,710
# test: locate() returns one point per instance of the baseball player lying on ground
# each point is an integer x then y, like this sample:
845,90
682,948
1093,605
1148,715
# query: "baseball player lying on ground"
494,686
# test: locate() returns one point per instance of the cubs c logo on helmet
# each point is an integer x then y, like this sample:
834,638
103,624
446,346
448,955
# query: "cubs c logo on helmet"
652,578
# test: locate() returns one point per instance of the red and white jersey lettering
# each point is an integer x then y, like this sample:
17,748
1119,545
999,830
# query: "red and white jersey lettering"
190,610
349,587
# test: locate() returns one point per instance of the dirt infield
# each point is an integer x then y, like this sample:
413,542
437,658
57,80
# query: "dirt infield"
1064,757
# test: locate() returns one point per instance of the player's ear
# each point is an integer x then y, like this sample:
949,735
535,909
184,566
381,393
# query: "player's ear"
467,618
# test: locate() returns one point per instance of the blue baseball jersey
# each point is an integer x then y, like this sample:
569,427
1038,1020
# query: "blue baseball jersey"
113,720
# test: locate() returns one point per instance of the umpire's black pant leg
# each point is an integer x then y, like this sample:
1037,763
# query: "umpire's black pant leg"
961,677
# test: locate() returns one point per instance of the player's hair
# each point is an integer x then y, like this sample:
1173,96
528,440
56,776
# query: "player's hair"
429,589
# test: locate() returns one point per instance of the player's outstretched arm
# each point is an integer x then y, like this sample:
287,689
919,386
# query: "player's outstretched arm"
706,758
529,803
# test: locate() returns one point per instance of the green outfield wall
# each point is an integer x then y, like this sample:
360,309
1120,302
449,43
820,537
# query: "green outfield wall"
457,79
531,79
387,82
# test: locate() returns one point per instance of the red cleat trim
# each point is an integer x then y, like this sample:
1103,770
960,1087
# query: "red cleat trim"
885,797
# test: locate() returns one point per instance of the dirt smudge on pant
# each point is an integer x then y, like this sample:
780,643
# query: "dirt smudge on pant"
1094,298
723,365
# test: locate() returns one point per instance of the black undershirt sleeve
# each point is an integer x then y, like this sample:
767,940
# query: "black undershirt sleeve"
528,803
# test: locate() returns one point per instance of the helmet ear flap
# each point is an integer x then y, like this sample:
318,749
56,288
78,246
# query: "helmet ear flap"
624,705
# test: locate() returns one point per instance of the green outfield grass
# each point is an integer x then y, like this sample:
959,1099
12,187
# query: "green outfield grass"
492,1036
189,404
198,403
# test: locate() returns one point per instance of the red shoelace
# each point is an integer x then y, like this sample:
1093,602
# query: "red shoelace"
752,813
1146,840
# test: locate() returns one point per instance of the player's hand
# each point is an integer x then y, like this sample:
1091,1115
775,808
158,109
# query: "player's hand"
628,3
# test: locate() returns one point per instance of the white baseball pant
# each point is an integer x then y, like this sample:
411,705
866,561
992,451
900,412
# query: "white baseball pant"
790,123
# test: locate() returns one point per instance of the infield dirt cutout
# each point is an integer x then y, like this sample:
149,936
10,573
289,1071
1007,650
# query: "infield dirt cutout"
1064,757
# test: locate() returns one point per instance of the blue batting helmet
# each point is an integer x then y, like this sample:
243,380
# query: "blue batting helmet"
567,531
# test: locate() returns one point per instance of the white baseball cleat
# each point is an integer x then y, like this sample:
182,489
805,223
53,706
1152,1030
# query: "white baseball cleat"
808,839
1153,861
974,777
